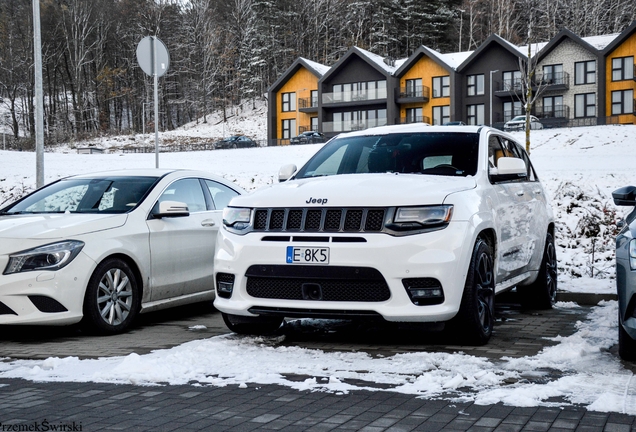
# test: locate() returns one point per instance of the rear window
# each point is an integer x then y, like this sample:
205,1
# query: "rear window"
433,153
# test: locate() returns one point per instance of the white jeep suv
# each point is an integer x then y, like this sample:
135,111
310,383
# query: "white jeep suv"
409,223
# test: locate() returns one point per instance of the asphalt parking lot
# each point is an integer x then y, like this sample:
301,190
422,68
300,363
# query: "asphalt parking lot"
94,406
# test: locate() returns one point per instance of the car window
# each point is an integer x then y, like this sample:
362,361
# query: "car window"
186,191
531,174
87,195
221,194
438,153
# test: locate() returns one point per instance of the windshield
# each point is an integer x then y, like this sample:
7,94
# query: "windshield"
436,153
86,195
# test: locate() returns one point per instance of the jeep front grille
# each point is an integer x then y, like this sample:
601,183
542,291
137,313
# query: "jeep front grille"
319,220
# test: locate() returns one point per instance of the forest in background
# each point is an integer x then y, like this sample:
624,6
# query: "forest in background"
226,52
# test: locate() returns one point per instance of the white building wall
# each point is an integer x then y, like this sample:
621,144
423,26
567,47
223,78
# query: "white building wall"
568,53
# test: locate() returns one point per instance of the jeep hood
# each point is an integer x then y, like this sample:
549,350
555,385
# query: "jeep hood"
357,190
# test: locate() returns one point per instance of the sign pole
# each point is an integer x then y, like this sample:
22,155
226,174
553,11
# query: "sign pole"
156,76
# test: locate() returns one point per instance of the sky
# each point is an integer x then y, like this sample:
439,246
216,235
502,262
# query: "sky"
579,168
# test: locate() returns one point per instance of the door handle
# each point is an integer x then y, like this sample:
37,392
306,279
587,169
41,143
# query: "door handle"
207,223
519,193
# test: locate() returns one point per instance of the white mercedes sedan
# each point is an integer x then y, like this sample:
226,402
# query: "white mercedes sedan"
101,248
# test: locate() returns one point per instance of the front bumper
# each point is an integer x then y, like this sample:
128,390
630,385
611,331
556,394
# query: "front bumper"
626,289
443,255
45,297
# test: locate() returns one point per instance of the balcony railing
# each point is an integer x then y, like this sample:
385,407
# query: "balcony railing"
352,125
354,96
514,85
561,79
309,102
413,119
562,111
302,129
415,92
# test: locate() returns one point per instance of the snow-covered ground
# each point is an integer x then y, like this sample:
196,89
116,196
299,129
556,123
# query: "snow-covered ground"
580,167
587,373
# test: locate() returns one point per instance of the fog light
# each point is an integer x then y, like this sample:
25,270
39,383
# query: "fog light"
224,284
424,291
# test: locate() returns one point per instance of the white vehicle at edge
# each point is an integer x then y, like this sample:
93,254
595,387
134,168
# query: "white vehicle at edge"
410,223
103,247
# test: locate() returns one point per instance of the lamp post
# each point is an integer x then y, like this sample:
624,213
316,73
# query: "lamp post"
491,92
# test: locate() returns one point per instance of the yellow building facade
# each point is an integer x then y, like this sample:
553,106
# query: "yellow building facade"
620,82
425,69
291,97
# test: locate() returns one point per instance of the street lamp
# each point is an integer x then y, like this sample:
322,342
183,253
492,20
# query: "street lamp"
491,92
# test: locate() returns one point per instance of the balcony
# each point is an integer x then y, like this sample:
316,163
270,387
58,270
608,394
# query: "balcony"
354,97
412,94
508,87
309,104
552,81
351,125
416,119
562,111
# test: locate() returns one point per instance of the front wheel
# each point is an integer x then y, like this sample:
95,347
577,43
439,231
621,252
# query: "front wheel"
258,325
626,345
541,294
476,317
112,298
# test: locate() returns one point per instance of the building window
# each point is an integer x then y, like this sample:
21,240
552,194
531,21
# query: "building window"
289,102
289,128
511,109
314,98
585,72
512,81
585,105
553,74
441,86
414,87
475,85
441,114
475,114
314,124
553,107
414,115
622,68
622,102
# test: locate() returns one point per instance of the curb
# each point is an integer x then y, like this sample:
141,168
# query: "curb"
585,299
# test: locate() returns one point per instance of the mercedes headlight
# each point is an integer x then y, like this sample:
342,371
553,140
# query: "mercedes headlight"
48,257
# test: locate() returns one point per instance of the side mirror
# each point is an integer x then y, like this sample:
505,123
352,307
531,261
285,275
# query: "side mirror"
625,196
171,209
285,172
509,168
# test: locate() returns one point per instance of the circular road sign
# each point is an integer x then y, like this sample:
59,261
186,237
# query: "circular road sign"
145,56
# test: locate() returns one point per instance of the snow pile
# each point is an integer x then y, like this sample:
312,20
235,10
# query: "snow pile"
578,370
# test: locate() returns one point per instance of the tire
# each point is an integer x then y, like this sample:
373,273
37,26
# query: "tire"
475,320
541,294
246,325
112,299
626,345
234,145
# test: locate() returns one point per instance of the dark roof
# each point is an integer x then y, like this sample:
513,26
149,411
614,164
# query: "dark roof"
559,38
620,38
493,39
365,56
296,65
418,54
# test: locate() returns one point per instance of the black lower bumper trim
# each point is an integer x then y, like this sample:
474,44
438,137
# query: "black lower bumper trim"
314,313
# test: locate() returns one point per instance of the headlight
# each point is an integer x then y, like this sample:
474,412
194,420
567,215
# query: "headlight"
421,218
49,257
632,254
237,218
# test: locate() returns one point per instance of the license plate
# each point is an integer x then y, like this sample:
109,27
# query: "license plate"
307,255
